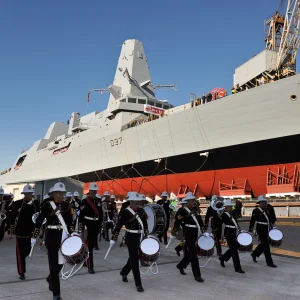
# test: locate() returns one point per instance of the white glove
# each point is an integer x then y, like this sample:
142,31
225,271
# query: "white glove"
33,242
112,243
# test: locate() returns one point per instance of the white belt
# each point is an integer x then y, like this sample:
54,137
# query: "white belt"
191,226
59,227
133,231
230,226
92,219
262,223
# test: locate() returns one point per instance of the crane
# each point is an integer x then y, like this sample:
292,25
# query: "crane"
284,37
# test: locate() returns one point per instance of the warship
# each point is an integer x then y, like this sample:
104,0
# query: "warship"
238,145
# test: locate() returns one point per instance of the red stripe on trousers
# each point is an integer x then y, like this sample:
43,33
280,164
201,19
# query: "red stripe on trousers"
19,264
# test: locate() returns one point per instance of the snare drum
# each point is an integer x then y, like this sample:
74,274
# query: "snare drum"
156,218
275,237
149,250
74,250
245,241
205,245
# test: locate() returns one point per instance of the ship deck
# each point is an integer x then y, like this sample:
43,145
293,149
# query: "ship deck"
259,282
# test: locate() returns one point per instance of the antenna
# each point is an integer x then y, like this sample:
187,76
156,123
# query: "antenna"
165,86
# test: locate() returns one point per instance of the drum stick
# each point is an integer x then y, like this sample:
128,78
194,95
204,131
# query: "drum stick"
31,250
170,240
107,252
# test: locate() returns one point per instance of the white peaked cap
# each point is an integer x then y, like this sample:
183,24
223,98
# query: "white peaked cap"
51,190
228,202
76,194
28,189
46,197
261,198
188,196
69,194
106,193
142,196
59,187
93,186
133,196
1,191
164,194
112,197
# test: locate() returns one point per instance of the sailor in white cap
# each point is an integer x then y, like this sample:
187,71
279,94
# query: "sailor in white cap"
265,217
231,230
68,197
90,220
110,211
76,198
22,226
192,223
55,233
3,213
165,204
179,247
135,219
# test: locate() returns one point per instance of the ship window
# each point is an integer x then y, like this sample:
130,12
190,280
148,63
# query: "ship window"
151,102
166,106
131,100
142,101
123,100
158,104
20,162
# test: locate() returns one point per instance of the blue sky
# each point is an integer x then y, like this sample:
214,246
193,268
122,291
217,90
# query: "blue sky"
53,52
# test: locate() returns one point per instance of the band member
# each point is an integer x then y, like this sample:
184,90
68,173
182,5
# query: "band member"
216,225
46,198
265,218
3,213
59,224
179,247
10,201
193,226
135,220
110,210
21,225
230,232
165,204
76,197
90,220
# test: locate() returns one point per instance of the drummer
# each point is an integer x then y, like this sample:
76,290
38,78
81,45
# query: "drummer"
179,247
135,220
230,232
21,224
264,216
193,224
165,204
59,217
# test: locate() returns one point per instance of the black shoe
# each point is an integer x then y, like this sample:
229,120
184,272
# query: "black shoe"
253,257
139,288
166,243
240,271
57,297
181,270
222,261
91,271
199,279
97,247
85,265
124,277
50,283
22,276
272,266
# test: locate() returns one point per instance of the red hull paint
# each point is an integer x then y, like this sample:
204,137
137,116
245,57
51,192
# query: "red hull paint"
208,181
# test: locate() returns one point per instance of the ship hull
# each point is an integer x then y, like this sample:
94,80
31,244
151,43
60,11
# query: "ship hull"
240,163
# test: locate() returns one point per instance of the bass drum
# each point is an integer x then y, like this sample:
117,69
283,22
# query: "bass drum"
245,241
74,250
205,245
275,237
149,250
156,218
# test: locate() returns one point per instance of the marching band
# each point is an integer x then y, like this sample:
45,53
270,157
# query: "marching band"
71,227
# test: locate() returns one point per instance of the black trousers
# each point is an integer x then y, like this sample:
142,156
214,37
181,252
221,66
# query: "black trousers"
217,232
190,255
263,246
133,242
23,247
2,230
92,235
53,239
232,251
109,226
165,232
